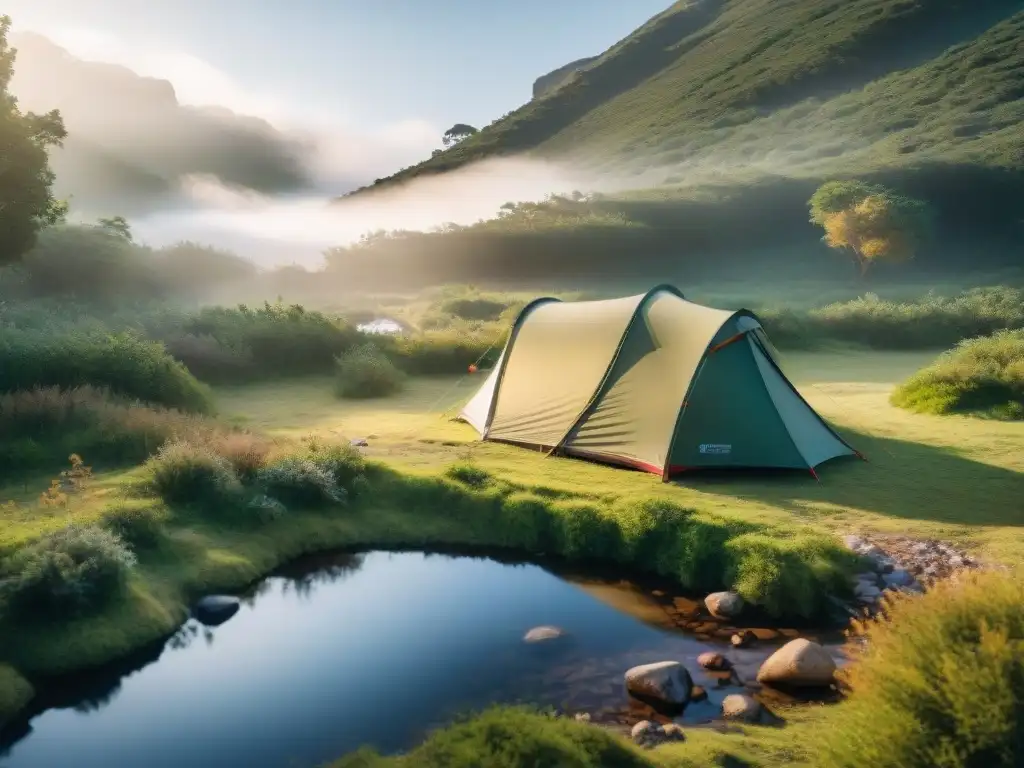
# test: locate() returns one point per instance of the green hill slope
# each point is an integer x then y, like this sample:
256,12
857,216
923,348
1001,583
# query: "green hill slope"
720,118
816,86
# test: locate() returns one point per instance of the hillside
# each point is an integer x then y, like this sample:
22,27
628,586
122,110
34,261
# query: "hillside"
774,86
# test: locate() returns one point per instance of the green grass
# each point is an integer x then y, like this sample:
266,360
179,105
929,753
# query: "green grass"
922,476
982,376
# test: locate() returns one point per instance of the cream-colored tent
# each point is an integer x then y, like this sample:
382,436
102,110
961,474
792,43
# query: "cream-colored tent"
651,381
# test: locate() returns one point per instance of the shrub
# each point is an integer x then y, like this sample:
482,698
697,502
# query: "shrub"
273,341
364,372
300,481
927,323
266,508
510,737
445,352
980,375
344,461
246,452
137,522
938,682
188,473
70,571
121,363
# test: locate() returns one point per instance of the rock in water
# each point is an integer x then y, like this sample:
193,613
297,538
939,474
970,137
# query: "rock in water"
743,638
799,662
664,681
724,605
540,634
216,609
738,706
714,662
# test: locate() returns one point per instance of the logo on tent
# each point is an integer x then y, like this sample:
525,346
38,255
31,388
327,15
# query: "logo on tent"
718,448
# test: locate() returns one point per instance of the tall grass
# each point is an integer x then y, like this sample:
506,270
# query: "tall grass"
123,363
42,426
983,375
939,682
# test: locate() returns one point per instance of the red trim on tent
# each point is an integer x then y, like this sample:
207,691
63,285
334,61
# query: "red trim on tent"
727,342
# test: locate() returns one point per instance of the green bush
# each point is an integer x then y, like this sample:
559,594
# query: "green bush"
938,682
511,737
927,323
300,481
189,473
139,523
365,372
343,460
122,363
241,344
445,352
983,375
74,570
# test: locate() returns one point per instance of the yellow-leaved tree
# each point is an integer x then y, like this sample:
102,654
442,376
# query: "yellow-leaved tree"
871,222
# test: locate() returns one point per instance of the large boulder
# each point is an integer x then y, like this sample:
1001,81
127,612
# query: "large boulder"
663,681
724,605
215,609
799,663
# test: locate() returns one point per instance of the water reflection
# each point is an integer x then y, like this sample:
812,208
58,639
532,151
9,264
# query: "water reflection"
337,650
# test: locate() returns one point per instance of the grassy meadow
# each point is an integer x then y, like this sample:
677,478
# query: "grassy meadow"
205,465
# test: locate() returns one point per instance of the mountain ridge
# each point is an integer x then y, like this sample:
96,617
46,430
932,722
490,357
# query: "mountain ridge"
694,77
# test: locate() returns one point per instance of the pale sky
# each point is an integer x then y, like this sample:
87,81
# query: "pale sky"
371,83
374,63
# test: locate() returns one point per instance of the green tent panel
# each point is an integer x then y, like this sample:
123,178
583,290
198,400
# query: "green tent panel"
651,381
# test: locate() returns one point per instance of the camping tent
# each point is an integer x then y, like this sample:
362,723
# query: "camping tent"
652,381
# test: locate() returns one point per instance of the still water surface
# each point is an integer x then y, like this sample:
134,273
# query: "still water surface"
337,653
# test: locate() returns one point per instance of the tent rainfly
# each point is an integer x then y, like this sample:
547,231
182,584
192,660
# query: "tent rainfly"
653,382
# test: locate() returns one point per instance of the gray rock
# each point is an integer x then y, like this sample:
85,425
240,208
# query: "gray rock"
542,634
664,681
715,662
724,605
739,706
582,717
645,732
215,609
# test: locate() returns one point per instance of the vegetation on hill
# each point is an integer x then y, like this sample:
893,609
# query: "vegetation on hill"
980,375
881,82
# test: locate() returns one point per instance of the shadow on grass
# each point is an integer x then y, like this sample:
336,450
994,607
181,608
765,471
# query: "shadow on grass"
901,479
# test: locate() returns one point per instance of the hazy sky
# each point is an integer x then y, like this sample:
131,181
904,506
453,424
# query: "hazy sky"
371,62
371,84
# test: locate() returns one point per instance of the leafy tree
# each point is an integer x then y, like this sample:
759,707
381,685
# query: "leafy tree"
117,225
26,199
872,222
457,133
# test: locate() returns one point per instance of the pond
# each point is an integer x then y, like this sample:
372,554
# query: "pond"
381,325
342,650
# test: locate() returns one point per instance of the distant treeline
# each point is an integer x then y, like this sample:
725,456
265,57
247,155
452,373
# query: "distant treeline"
979,225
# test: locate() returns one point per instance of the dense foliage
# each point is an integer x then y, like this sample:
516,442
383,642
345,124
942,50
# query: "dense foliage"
365,372
26,199
984,374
